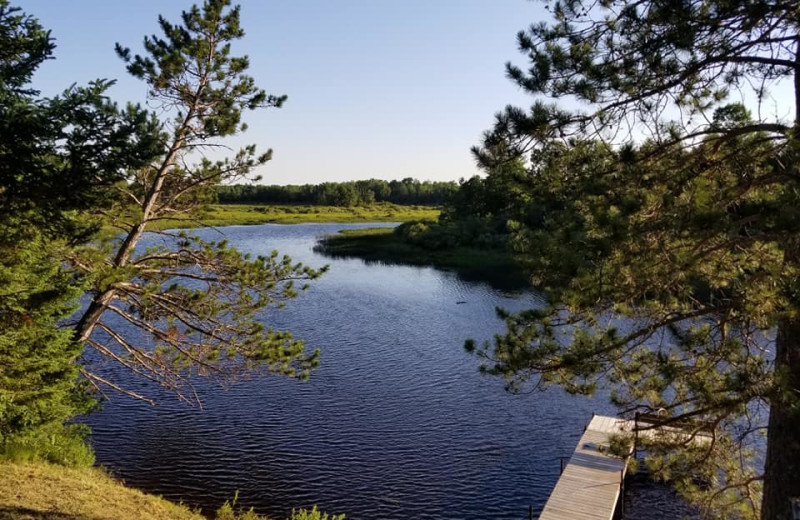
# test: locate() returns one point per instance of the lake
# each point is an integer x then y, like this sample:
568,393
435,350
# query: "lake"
397,423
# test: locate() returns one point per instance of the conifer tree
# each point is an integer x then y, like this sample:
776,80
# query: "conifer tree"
667,231
197,300
57,156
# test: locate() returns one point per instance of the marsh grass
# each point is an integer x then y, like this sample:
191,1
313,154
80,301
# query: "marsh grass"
218,215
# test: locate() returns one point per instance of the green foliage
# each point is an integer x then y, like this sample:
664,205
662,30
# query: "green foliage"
501,196
39,387
347,194
383,245
58,153
202,303
55,443
442,236
240,214
471,234
228,511
25,45
477,214
56,156
313,514
668,261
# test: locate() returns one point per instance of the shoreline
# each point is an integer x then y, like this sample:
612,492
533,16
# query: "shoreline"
380,245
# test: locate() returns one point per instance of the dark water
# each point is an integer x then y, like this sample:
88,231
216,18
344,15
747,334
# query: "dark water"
644,499
396,424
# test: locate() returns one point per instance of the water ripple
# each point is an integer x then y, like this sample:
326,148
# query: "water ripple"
396,424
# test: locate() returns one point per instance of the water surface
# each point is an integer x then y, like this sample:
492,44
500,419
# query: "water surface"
397,423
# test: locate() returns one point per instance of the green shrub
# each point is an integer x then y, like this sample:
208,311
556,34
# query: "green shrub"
314,514
54,443
228,512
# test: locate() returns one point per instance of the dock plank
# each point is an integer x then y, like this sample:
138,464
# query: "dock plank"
590,483
589,486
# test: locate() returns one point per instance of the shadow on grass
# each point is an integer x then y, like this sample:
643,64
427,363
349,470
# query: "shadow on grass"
22,513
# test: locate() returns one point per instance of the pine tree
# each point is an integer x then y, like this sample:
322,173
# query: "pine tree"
666,232
56,157
39,386
197,300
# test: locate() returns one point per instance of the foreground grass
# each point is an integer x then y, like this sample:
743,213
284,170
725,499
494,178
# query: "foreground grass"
249,214
42,491
382,245
39,491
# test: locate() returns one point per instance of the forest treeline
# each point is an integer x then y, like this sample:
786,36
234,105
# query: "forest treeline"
353,193
478,214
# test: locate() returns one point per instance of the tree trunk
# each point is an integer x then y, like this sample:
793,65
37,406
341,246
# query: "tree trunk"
782,470
90,318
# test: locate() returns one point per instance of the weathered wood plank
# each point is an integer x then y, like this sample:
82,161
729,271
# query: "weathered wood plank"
589,486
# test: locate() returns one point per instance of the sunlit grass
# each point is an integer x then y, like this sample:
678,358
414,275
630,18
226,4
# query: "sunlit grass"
248,214
47,492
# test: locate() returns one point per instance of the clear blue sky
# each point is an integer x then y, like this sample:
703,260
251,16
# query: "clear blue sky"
377,88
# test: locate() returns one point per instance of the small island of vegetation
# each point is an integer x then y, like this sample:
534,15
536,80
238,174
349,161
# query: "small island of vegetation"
471,235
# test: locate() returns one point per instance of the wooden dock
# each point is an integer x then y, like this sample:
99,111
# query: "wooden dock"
591,482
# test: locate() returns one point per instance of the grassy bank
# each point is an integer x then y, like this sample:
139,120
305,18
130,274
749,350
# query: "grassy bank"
383,245
39,491
42,491
248,214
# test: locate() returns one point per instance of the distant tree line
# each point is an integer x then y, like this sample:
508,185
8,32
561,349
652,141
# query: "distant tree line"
354,193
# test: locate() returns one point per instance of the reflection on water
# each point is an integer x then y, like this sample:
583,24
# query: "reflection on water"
503,275
396,424
645,499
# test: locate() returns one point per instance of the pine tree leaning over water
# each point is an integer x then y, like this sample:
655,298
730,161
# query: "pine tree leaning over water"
197,300
665,231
